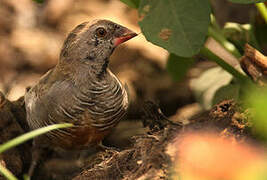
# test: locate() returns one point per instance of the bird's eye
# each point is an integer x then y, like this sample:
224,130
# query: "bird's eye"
101,32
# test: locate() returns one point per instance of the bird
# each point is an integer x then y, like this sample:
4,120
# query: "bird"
80,89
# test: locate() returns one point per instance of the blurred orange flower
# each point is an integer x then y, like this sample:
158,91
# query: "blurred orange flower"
210,157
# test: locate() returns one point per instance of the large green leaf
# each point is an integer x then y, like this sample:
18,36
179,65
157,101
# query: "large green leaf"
246,1
180,26
178,66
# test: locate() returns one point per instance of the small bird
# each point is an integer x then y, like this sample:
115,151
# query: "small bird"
80,89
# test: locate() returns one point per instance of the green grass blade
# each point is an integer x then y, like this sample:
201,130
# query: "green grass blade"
18,140
5,172
26,177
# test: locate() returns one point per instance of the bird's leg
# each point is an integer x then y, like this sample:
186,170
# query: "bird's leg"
102,147
37,153
154,118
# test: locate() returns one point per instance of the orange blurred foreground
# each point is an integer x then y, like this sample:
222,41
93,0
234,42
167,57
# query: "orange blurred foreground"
206,156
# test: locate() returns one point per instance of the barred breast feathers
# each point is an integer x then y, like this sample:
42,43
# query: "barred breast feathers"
106,101
115,98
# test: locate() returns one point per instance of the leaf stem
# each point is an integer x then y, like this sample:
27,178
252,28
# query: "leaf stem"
224,42
18,140
209,54
5,172
263,10
214,23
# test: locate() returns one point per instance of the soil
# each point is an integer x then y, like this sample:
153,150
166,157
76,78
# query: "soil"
146,157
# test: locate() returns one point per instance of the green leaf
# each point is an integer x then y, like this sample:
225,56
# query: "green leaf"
179,26
132,3
246,1
177,66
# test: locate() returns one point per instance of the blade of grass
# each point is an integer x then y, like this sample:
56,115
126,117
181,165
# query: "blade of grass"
26,177
30,135
263,10
5,172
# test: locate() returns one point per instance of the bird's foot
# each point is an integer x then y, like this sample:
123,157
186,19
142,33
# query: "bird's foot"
154,118
102,147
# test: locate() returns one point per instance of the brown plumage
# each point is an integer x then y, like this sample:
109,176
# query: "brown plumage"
80,89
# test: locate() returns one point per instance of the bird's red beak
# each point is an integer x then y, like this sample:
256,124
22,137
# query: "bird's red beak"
128,34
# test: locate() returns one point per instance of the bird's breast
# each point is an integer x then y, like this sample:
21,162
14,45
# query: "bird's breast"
111,104
108,105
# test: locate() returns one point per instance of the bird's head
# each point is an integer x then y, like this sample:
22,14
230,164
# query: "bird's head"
92,43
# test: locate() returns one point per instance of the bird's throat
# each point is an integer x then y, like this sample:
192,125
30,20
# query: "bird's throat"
103,68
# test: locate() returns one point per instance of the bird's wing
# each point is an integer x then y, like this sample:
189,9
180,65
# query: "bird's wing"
63,102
